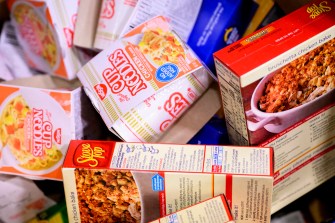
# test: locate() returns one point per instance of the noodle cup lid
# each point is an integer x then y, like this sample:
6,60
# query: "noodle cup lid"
34,131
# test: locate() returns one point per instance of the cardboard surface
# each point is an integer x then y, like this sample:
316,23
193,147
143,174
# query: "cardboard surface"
86,24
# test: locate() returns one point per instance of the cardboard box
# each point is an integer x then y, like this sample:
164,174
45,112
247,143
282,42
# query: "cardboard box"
45,32
39,117
213,210
139,88
298,125
153,180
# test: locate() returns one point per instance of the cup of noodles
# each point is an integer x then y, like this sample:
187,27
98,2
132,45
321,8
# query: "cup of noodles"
144,81
38,121
45,32
295,91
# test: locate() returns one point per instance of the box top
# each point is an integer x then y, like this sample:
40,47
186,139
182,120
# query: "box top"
236,160
278,37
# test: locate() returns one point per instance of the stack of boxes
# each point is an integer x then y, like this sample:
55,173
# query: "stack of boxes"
275,86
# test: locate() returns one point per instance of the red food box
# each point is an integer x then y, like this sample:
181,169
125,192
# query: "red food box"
141,182
277,87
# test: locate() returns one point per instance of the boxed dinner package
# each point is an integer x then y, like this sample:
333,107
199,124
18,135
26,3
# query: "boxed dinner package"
38,118
141,182
277,87
144,81
213,210
45,32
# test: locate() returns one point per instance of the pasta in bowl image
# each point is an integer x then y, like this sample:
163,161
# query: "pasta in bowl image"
295,91
36,36
162,47
29,133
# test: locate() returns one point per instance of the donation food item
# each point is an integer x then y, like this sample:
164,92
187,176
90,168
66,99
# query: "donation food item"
301,81
13,130
44,30
37,123
144,81
277,87
141,182
26,15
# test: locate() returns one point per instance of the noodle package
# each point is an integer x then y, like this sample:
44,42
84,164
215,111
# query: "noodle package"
145,81
36,125
45,32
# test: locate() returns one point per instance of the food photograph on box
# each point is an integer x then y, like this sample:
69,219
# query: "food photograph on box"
167,111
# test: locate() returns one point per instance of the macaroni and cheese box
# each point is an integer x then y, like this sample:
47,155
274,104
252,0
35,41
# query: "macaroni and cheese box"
144,82
141,182
277,87
45,32
38,118
213,210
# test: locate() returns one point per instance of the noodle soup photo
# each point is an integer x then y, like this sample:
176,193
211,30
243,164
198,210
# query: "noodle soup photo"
33,138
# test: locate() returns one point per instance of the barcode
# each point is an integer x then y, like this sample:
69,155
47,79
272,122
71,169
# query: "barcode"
9,35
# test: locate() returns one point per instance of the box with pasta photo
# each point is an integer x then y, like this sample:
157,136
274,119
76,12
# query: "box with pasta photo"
277,87
38,118
141,182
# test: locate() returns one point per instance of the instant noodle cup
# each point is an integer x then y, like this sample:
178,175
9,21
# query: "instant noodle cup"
36,125
144,81
45,32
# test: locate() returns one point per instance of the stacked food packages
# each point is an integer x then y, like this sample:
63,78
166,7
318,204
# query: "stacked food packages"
285,98
117,101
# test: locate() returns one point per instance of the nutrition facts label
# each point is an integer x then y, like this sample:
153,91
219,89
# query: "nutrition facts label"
232,104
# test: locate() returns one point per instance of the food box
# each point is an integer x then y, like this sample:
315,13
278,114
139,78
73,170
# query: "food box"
277,88
38,118
144,82
213,210
45,32
141,182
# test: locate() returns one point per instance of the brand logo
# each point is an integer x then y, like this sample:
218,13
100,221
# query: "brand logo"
175,105
108,9
315,10
58,136
122,74
90,155
41,131
68,36
101,90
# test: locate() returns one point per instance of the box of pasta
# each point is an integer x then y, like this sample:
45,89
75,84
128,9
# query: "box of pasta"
141,182
277,87
38,118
